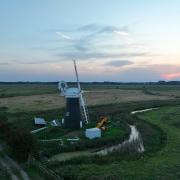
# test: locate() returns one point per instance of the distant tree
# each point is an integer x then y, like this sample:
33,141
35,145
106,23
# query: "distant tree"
161,82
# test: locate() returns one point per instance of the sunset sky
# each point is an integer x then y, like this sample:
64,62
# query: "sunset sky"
115,40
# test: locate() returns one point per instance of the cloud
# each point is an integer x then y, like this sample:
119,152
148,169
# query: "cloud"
89,27
63,36
95,41
171,76
99,55
165,71
122,33
85,37
3,63
104,30
81,47
138,75
166,68
153,72
98,29
119,63
35,61
108,29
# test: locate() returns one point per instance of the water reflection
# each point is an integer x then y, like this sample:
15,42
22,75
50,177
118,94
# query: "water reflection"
134,143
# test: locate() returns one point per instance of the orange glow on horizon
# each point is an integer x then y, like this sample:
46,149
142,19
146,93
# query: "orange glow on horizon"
171,76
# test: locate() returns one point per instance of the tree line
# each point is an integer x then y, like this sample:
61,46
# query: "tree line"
101,83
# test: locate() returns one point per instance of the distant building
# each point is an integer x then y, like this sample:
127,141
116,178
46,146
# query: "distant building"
93,133
39,121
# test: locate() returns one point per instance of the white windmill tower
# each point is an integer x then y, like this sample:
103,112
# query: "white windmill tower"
76,109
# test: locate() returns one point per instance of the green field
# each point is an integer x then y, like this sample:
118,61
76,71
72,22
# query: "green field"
44,97
12,90
159,162
28,89
159,129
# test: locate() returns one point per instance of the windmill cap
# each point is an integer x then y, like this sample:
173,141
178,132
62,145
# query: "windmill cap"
72,92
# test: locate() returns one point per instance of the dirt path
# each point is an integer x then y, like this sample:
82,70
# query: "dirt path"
12,167
10,172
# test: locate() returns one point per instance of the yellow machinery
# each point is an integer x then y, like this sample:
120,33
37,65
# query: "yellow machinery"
102,122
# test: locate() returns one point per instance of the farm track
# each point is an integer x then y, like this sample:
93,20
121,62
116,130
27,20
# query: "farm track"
13,168
8,168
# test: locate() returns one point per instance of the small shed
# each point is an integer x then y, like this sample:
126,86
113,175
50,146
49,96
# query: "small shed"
39,121
93,133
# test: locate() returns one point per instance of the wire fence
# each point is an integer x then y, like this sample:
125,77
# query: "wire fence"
45,170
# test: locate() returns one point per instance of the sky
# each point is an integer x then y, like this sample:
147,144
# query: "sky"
117,40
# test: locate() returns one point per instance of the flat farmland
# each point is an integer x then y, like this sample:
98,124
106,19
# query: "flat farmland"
93,97
159,129
170,93
27,89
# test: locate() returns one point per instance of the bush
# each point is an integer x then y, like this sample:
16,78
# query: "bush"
22,144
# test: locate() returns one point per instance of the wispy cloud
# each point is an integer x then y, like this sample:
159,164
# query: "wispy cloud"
91,31
119,63
122,33
171,76
94,41
89,27
99,55
102,28
3,63
166,68
164,71
60,34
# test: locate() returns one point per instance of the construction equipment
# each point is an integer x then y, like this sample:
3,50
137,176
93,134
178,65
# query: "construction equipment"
103,120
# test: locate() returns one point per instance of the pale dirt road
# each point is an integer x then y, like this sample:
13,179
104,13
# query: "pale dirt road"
13,167
9,170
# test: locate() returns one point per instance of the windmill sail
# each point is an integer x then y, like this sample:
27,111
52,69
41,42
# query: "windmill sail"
77,78
83,106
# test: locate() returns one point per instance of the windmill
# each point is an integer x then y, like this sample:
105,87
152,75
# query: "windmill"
76,114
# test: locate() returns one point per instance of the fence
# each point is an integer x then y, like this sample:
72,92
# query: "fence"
45,170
